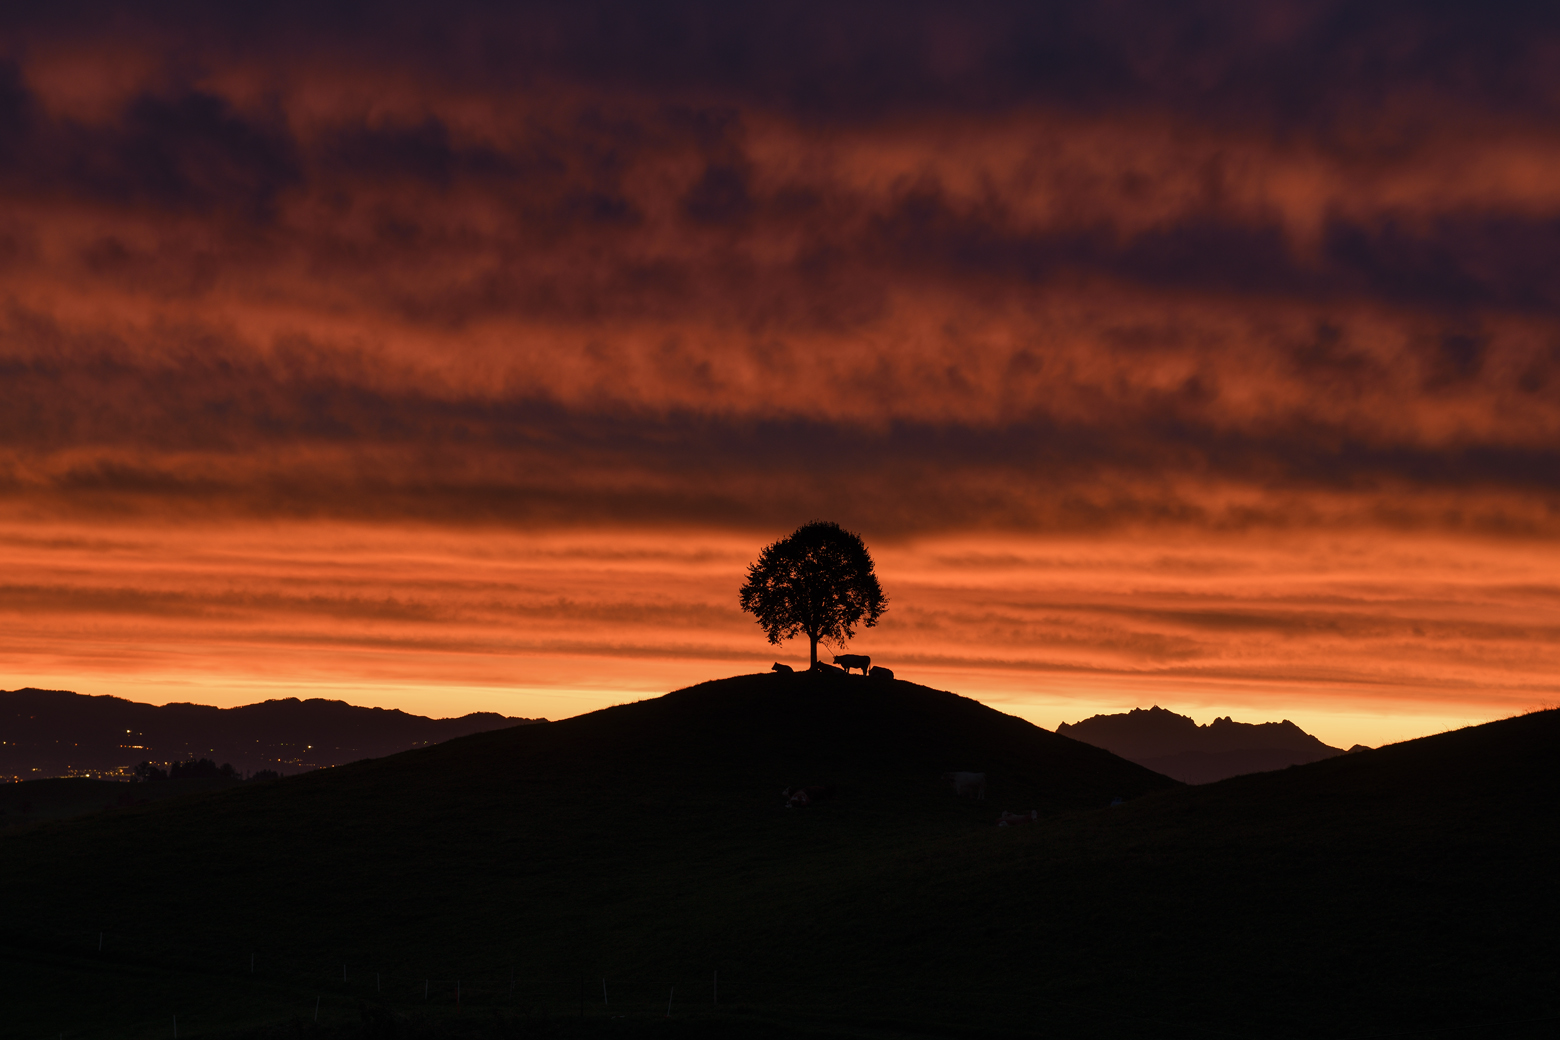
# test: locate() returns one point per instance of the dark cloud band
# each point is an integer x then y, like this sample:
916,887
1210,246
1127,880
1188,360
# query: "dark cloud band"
932,266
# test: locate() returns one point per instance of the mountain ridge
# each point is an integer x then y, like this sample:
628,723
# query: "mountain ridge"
1177,746
47,733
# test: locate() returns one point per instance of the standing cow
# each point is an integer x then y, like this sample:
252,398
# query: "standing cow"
849,661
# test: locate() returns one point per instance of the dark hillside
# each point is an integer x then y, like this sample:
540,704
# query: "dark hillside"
884,743
60,798
1403,889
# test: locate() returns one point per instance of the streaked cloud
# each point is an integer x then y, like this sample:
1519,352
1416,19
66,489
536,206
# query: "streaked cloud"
444,617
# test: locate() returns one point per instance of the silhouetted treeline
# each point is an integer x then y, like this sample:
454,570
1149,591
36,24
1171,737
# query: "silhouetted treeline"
200,768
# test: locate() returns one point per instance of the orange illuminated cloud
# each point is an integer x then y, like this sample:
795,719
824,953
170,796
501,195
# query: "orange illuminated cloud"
1358,641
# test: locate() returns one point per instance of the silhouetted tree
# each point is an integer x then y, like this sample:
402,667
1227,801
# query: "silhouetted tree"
147,771
266,774
818,580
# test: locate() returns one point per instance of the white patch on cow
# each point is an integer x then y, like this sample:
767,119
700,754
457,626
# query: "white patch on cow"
972,785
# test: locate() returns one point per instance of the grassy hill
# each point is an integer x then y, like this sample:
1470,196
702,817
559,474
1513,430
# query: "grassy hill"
1404,890
61,798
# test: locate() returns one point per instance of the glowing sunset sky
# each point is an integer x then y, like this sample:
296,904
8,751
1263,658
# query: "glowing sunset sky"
458,357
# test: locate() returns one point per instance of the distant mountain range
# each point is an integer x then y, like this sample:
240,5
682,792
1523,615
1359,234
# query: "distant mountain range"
47,733
1176,746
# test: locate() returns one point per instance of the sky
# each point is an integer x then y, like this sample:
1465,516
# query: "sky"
462,356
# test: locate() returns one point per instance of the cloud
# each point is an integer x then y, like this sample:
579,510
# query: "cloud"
1157,271
202,418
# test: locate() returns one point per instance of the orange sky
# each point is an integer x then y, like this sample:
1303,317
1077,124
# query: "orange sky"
1356,642
464,361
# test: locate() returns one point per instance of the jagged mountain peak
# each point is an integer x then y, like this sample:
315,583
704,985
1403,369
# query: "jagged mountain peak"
1177,746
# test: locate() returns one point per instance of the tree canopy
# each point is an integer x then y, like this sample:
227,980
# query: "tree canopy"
817,581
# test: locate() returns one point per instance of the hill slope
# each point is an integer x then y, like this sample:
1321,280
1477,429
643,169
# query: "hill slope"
1404,888
1176,746
58,733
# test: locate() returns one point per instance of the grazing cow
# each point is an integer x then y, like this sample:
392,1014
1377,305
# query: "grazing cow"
801,797
971,785
879,672
824,666
1012,819
849,661
778,667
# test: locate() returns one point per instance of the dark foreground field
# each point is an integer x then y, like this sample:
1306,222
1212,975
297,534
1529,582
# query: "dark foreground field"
492,885
62,798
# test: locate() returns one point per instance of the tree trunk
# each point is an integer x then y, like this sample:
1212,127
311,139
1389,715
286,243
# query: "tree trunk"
814,651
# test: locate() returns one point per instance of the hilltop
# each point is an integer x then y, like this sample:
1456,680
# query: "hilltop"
57,733
512,876
1176,746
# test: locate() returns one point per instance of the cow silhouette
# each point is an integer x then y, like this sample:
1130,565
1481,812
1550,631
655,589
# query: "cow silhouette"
801,797
778,667
849,661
